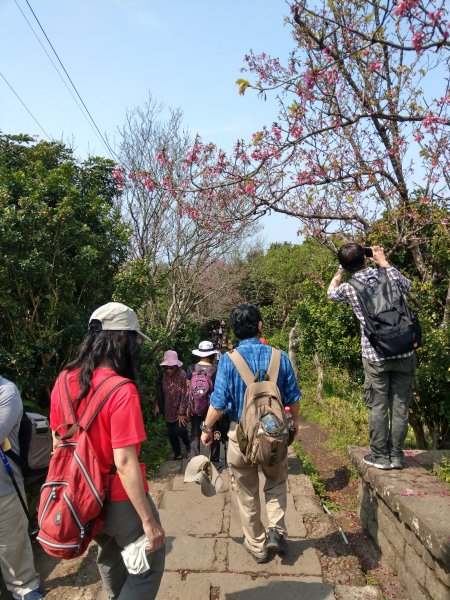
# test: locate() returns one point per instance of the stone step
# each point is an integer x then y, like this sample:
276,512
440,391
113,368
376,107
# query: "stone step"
191,513
185,552
232,586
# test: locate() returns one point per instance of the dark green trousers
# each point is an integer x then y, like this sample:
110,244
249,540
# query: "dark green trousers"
388,390
122,527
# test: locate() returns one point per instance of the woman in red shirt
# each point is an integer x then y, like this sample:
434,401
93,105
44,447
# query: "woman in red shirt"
111,347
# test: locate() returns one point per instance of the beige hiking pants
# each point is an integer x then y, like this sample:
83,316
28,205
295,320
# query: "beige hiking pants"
245,482
16,554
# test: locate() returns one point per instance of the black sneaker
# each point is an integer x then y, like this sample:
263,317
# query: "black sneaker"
378,463
218,464
396,462
275,541
177,457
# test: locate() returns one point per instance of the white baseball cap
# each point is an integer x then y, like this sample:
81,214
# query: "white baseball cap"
115,316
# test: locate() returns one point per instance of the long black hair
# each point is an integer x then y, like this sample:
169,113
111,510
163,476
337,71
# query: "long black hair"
116,349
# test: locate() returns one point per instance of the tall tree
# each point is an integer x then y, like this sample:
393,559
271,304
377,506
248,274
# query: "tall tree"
61,243
179,258
288,283
363,121
359,148
363,124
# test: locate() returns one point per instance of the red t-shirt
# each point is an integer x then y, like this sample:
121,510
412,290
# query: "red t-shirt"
118,424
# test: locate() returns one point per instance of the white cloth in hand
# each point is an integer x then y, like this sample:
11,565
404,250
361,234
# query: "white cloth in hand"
135,557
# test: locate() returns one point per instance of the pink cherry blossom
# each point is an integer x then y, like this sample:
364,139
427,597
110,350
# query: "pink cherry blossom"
375,65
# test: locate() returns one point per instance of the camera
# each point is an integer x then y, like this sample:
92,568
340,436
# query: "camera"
368,251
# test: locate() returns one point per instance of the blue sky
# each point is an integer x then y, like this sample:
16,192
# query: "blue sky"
187,53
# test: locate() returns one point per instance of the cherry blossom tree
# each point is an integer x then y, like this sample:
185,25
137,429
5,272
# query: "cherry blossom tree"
359,146
359,150
179,267
363,121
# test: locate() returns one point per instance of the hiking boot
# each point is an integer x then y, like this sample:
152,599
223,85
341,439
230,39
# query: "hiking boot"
396,462
259,558
275,541
378,463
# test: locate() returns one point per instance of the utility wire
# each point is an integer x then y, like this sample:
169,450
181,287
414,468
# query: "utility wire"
56,69
113,154
25,106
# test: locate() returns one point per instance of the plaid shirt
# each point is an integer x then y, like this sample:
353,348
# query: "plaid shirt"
346,293
229,387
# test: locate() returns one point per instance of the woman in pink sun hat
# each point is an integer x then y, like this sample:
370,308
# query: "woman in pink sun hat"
172,401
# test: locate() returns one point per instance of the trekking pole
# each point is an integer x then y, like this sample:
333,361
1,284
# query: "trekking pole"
326,509
31,532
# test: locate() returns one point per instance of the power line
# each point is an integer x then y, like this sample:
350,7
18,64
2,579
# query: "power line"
25,106
56,69
113,154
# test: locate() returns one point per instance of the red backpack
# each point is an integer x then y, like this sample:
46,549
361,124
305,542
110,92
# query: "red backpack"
200,391
72,499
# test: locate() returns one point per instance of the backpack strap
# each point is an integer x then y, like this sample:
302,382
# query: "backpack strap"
241,366
274,365
67,409
100,396
359,286
382,274
65,401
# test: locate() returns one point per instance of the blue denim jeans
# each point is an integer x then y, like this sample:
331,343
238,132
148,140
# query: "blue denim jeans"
388,390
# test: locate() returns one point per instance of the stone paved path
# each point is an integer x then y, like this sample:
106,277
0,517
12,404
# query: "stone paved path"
205,558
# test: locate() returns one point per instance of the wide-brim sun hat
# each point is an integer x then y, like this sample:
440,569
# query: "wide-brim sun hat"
171,359
205,349
201,470
115,316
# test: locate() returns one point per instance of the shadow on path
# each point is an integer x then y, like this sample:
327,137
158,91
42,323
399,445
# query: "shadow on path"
288,590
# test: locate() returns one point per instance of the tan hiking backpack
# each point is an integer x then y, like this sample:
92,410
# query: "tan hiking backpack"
262,433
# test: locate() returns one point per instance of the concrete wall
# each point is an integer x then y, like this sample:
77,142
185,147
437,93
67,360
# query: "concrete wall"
407,514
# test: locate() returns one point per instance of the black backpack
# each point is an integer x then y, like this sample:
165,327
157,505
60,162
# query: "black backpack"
390,326
35,443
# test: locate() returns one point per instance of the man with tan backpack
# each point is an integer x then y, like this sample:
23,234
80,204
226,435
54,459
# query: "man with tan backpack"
259,383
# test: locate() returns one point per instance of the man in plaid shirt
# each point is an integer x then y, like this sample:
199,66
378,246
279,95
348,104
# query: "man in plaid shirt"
389,381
